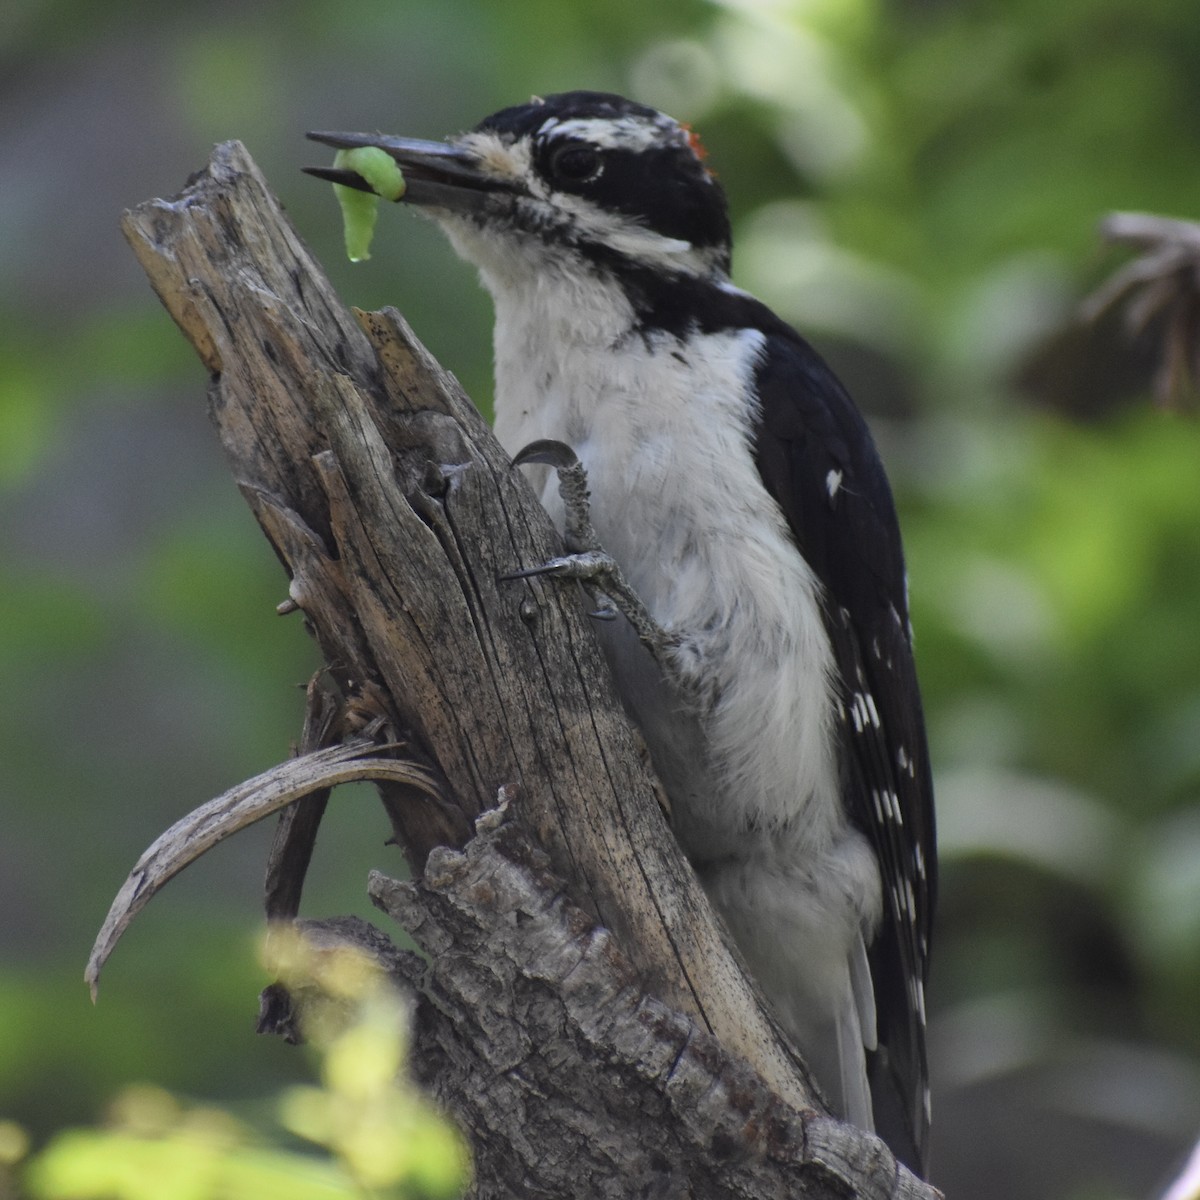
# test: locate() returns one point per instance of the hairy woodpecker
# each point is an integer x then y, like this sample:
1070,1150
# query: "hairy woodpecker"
739,491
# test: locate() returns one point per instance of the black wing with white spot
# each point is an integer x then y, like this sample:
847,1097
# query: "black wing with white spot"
819,462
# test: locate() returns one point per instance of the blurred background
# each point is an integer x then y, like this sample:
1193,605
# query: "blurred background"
916,184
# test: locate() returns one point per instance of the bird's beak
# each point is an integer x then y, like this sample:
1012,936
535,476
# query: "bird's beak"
437,174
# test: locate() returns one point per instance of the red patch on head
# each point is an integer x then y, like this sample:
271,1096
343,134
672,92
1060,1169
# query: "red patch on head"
693,138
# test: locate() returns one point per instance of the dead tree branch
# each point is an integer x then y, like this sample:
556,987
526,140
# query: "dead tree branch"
1158,293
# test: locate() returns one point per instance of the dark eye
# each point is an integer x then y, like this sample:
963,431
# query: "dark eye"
576,163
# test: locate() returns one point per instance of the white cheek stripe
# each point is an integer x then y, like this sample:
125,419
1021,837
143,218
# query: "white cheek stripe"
627,236
624,133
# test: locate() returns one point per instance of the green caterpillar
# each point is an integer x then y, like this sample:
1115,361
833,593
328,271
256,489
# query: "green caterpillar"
359,209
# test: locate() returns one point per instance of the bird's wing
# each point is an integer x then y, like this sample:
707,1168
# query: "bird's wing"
818,461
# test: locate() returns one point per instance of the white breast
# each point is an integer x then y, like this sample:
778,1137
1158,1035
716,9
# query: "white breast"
664,430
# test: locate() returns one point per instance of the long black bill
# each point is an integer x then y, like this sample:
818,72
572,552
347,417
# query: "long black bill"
437,174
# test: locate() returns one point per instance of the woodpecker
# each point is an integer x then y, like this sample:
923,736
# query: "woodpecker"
739,491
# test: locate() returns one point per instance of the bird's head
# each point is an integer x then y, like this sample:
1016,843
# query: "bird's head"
575,180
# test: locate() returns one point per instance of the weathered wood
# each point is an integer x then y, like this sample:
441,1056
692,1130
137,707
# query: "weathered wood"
231,812
394,510
615,1094
296,831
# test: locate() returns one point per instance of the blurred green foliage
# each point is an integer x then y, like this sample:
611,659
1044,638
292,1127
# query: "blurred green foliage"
380,1138
916,185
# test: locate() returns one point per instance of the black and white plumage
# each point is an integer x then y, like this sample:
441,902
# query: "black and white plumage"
738,488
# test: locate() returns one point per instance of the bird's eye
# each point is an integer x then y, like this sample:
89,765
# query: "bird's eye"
576,163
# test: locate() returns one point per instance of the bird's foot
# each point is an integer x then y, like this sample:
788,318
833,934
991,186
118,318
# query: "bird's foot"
588,561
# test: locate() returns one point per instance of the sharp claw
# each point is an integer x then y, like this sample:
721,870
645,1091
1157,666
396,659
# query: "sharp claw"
584,566
600,575
572,487
350,179
511,576
553,567
546,450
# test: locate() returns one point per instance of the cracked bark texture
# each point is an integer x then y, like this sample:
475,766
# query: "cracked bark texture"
580,1014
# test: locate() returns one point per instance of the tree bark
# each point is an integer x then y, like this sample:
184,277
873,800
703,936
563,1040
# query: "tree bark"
605,1044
